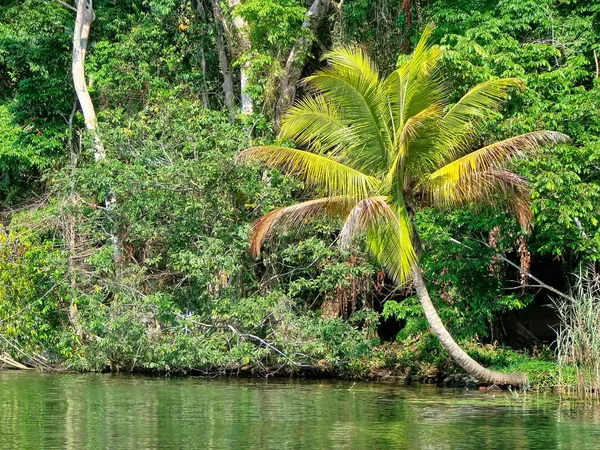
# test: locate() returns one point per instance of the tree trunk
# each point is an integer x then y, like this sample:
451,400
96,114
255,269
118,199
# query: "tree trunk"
457,354
81,32
220,28
296,59
407,9
205,100
243,45
83,22
201,15
247,101
337,33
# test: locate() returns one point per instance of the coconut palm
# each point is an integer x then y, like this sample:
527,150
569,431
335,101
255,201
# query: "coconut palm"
377,148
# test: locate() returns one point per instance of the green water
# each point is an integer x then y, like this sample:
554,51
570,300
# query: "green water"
121,412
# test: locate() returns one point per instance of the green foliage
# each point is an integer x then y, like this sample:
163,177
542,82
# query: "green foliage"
36,92
33,290
142,51
149,333
184,204
35,57
550,45
273,23
566,194
181,199
187,296
465,276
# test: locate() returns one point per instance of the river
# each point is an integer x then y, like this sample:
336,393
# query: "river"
94,411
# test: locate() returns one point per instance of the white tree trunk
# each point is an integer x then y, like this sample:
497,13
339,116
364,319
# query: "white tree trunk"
205,100
83,22
220,30
243,44
247,101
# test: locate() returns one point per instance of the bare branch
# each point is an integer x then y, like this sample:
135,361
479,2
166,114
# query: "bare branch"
509,262
245,335
66,5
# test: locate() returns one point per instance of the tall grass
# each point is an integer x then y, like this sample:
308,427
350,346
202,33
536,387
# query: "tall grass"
578,338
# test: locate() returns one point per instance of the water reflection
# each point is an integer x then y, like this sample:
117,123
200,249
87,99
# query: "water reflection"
121,412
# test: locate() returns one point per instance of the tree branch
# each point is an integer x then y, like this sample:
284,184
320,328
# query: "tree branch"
66,5
295,61
244,335
508,261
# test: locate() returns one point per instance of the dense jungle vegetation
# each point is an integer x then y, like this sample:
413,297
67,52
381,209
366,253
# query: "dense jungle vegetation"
135,255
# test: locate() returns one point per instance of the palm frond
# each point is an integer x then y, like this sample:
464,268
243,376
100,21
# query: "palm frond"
388,235
496,155
354,60
318,124
490,187
364,214
411,128
458,128
414,130
316,170
352,85
416,84
295,216
519,204
481,101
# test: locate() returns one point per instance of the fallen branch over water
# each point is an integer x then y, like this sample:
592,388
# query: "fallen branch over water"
11,363
36,361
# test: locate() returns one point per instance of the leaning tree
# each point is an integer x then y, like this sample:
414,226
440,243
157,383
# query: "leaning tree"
379,148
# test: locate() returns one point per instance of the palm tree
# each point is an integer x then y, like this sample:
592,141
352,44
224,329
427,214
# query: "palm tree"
378,148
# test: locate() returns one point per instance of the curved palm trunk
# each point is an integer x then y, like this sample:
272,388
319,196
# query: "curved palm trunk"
457,354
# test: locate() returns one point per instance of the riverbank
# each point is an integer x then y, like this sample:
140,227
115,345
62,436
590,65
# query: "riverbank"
389,362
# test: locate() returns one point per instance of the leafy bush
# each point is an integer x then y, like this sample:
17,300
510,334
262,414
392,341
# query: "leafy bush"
34,293
184,294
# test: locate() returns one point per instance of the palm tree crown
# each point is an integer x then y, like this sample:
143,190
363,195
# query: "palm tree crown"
376,147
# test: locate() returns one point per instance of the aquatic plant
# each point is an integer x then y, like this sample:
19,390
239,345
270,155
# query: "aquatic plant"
578,336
